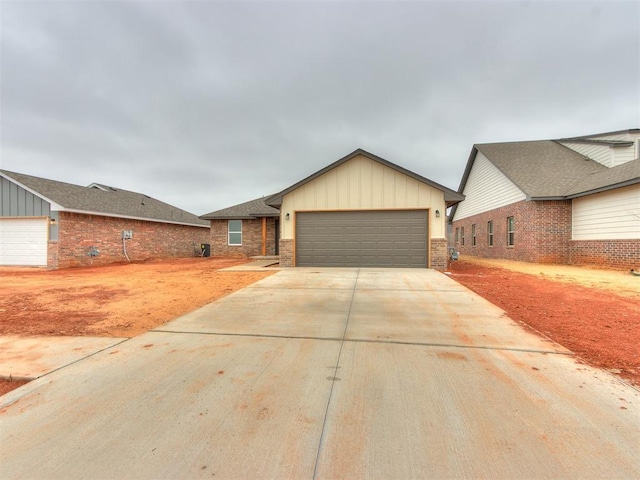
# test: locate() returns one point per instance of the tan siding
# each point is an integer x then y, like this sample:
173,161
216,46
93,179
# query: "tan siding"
608,156
600,153
624,154
363,184
619,136
608,215
486,189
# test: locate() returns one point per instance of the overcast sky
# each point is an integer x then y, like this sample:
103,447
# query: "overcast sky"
205,104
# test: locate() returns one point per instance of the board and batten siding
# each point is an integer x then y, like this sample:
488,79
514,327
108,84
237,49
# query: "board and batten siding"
364,184
613,215
15,201
487,188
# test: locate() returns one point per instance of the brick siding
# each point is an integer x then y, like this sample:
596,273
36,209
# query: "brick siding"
439,253
286,252
618,254
542,232
79,233
542,235
251,238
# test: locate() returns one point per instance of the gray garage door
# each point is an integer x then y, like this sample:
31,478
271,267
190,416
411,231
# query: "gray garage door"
362,239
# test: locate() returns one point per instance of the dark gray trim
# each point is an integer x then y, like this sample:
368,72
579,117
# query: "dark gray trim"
248,210
606,188
616,132
608,143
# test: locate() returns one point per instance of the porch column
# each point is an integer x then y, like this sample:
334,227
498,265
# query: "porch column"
264,236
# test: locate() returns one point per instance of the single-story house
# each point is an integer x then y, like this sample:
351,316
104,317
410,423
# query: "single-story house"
361,210
567,201
246,230
55,224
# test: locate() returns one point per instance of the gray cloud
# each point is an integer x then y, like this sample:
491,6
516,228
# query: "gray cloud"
207,104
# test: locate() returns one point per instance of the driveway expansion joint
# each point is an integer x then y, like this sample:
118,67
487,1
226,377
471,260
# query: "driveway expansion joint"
334,378
366,340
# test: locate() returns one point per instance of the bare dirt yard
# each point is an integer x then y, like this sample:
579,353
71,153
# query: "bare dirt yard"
594,313
121,300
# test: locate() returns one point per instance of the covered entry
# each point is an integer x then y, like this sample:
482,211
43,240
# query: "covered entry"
371,238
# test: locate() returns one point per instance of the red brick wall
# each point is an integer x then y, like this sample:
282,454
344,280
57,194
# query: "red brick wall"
618,254
251,238
543,235
542,232
78,233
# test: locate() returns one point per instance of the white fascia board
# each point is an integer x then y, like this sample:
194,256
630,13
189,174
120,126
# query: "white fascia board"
53,205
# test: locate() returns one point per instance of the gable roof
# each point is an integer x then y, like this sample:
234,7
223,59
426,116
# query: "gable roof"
594,138
547,170
541,169
451,197
98,199
252,209
615,177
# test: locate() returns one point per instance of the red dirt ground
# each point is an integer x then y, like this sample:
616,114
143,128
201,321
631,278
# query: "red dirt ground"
596,314
599,325
121,300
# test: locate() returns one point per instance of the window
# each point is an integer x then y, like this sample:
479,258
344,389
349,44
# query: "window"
462,236
490,233
511,228
235,232
473,235
457,235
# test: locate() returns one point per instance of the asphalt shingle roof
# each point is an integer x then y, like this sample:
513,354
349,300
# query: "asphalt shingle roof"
251,209
541,169
627,173
102,199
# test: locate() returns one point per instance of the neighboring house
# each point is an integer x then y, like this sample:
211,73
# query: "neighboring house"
568,201
364,211
246,230
54,224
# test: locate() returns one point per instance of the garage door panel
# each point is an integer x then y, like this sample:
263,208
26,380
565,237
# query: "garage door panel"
362,238
23,241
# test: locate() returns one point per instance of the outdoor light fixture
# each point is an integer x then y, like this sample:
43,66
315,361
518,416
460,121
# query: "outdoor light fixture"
437,213
287,216
52,221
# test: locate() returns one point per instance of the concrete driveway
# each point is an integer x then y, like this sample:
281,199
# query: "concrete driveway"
328,373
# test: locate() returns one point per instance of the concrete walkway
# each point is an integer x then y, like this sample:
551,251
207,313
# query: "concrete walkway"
327,373
28,358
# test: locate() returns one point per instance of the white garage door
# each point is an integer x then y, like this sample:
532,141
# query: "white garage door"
23,241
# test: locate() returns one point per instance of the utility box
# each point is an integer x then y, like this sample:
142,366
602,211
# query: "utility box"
206,249
127,234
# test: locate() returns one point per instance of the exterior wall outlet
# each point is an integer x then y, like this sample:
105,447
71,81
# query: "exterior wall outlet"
127,234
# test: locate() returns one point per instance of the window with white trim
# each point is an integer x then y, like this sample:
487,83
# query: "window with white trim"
511,231
473,235
235,232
